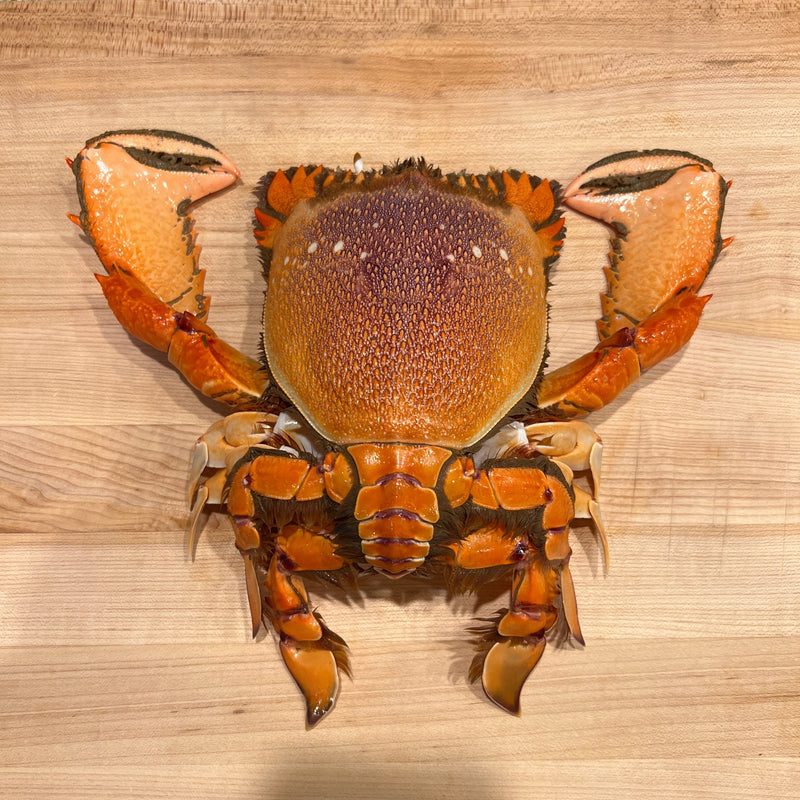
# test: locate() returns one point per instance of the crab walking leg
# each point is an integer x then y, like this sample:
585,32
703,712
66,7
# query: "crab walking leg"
215,455
665,211
313,653
575,447
533,499
247,444
221,445
510,650
573,443
282,485
268,484
519,640
135,188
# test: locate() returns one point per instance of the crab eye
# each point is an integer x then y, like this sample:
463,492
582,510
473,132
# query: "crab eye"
185,162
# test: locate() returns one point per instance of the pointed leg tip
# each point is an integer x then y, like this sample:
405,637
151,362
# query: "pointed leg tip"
198,463
316,673
315,713
511,706
569,604
195,525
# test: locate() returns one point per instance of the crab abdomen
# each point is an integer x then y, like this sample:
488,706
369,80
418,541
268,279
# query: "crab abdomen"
408,312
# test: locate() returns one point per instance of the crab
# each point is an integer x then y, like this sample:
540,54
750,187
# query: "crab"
401,419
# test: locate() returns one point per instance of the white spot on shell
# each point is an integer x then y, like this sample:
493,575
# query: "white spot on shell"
530,271
312,247
363,255
503,254
338,247
476,251
450,257
285,261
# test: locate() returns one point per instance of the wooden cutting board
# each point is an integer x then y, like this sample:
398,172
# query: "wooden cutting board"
127,671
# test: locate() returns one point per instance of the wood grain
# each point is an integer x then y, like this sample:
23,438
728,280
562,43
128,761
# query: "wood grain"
126,670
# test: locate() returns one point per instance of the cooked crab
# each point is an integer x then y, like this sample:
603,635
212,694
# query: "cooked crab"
401,419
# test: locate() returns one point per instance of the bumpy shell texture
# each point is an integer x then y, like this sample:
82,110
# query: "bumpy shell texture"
405,309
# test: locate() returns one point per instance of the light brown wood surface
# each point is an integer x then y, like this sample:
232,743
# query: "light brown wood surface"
127,671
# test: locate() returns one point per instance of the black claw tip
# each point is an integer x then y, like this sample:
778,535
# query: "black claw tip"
316,713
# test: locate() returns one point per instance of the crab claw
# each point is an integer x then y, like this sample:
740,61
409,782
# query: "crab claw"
665,208
135,187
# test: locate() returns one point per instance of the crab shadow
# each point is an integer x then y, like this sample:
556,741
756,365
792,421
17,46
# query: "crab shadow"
473,607
468,609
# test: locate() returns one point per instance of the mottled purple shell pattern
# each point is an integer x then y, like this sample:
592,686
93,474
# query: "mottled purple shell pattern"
410,312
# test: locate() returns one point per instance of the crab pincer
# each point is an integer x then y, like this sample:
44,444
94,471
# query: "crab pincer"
664,209
135,189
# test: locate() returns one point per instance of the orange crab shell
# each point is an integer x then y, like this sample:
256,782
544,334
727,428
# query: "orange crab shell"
407,306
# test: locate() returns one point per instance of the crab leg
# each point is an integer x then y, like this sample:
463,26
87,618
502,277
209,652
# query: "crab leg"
596,378
574,446
651,308
214,457
135,188
511,648
525,498
270,484
313,653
